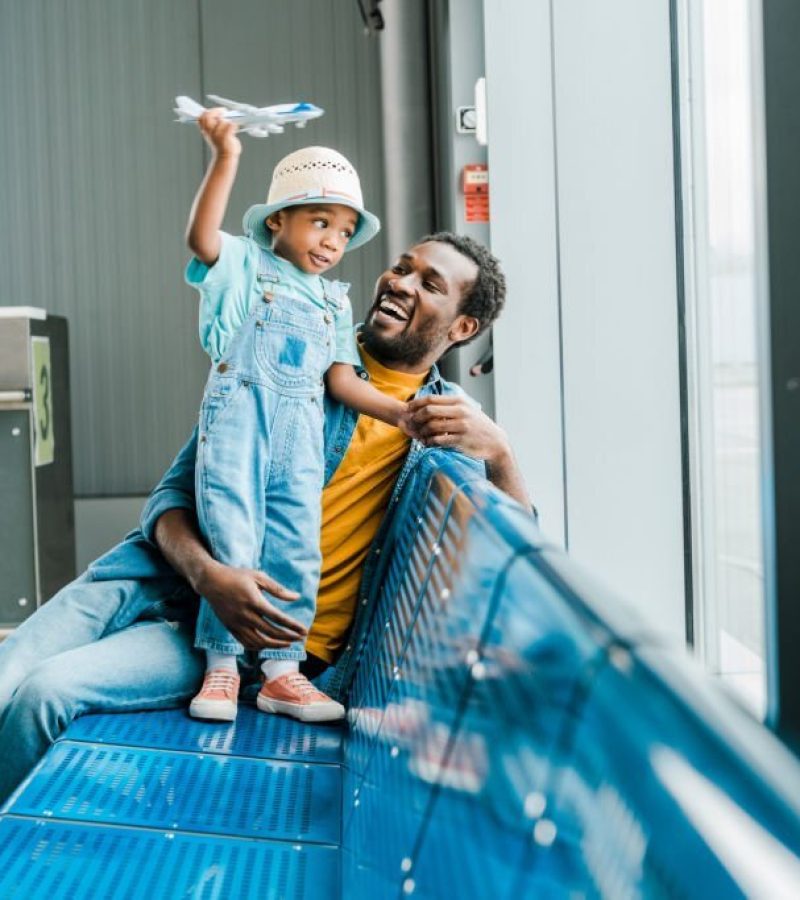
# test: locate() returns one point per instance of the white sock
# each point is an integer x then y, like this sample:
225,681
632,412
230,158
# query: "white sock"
274,668
216,660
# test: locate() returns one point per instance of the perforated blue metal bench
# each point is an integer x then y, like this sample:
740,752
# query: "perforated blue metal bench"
512,732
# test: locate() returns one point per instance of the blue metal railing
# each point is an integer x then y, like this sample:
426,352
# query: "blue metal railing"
549,743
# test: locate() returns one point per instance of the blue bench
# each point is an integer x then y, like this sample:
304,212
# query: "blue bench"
512,732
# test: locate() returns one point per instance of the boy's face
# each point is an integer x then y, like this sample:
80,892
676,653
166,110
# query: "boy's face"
313,238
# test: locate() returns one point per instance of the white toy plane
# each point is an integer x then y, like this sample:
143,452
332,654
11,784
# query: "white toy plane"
258,121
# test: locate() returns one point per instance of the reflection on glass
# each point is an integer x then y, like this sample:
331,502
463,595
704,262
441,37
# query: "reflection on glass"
719,190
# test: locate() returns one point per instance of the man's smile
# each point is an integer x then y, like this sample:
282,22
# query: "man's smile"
389,307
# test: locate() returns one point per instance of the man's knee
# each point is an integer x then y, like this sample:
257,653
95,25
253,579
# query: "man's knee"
44,702
38,713
12,673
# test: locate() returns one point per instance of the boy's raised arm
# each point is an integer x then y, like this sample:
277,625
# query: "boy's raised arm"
211,201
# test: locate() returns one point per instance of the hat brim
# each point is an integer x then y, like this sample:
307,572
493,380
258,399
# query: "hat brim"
253,222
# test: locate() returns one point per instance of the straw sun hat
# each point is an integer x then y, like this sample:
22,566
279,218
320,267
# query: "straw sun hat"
308,175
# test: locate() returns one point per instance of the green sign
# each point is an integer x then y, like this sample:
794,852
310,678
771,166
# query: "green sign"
44,438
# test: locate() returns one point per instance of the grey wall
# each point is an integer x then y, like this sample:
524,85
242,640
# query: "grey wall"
96,183
457,63
408,141
314,50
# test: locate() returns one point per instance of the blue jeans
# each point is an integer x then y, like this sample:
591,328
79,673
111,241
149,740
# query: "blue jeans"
97,645
260,456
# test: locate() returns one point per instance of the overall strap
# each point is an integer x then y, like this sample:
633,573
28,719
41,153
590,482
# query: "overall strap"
335,293
267,269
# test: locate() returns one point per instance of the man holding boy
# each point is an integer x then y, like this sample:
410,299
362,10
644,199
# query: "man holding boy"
120,637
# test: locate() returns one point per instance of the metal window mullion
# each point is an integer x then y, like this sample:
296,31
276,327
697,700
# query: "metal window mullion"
699,400
776,36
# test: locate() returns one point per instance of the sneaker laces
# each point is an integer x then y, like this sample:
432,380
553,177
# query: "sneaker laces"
301,683
220,680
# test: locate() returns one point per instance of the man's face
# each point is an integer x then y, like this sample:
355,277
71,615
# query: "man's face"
414,316
313,238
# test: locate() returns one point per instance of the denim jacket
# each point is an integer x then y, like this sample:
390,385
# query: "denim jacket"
138,556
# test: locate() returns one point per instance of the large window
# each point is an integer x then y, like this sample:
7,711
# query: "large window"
719,195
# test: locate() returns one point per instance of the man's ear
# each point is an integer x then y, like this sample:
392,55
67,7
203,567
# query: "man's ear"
462,328
274,221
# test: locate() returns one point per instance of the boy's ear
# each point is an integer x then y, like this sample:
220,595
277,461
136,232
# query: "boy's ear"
463,328
273,222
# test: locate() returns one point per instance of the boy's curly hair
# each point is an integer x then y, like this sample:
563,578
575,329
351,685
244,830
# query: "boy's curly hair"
487,296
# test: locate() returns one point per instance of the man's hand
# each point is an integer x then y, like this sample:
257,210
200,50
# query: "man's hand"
234,594
220,133
456,423
237,599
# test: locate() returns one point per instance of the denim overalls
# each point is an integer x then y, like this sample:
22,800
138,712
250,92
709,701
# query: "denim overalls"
260,455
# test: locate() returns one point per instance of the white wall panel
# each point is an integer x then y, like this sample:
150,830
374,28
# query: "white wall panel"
527,345
619,308
587,237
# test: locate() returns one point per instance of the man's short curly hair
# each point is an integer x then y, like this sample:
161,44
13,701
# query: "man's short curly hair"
487,296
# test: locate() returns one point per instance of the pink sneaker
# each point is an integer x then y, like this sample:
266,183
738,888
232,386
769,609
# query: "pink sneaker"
295,696
218,697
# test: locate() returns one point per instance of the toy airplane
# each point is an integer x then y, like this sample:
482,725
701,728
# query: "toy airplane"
258,121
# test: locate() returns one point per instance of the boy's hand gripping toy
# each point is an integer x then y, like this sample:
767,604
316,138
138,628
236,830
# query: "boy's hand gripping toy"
258,121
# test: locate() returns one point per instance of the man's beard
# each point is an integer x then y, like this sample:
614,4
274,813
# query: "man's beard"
409,348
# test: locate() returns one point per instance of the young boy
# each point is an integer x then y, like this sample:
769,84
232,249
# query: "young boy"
274,328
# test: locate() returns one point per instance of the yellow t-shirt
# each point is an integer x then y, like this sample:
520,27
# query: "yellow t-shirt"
353,504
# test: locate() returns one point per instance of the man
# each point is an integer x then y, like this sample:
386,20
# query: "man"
121,636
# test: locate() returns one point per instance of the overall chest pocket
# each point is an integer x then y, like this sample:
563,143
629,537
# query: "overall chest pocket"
293,344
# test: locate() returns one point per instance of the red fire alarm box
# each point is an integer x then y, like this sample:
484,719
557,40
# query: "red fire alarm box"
475,185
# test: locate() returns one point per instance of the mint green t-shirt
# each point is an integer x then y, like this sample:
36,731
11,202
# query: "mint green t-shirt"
229,287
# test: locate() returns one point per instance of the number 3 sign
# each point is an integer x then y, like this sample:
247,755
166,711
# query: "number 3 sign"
44,439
